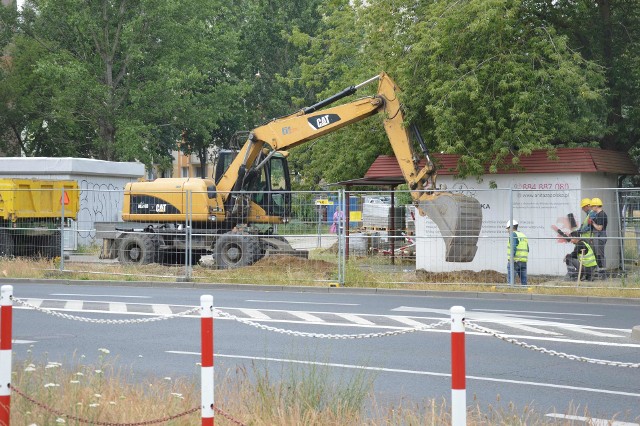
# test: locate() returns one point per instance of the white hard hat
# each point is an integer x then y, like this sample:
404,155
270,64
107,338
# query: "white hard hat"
509,224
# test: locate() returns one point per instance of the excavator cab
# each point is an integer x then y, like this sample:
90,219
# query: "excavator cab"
269,187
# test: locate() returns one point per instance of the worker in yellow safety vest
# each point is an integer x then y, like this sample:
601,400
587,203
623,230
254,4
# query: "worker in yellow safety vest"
518,249
586,228
581,261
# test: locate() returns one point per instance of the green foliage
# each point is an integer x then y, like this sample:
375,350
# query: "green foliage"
120,80
482,79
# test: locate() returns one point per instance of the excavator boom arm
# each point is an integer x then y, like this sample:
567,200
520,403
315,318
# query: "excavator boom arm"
457,216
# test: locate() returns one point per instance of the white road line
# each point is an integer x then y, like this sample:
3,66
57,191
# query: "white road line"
355,318
161,309
307,316
99,295
536,312
74,305
418,372
407,321
591,421
117,307
302,303
255,314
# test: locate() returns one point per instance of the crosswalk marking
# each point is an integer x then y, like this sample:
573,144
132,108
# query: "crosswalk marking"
35,302
161,309
74,305
530,329
306,316
355,319
534,329
117,307
585,331
407,321
255,314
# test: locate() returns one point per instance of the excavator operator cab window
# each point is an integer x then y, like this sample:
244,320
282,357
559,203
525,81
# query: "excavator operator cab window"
225,158
280,204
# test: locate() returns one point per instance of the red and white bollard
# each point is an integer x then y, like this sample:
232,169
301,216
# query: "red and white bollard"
6,319
206,341
458,373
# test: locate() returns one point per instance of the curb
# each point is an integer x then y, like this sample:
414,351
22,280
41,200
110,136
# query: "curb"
332,289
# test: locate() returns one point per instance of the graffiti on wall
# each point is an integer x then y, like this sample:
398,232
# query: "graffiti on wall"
99,202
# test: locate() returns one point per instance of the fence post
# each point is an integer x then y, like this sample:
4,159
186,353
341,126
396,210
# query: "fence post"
6,314
458,374
188,235
206,381
61,230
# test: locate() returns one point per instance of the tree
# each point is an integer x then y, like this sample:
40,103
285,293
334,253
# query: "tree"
122,78
606,32
482,79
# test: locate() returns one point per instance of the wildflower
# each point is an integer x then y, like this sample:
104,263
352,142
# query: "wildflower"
74,381
104,350
51,385
97,371
112,403
30,368
167,378
53,365
177,395
60,420
97,395
95,404
79,404
79,374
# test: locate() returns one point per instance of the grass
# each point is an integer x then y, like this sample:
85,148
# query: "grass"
105,393
88,394
321,270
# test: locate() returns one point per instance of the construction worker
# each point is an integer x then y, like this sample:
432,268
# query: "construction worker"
599,224
581,262
586,230
518,249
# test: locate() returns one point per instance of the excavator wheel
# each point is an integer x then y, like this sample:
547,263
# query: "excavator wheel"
459,219
138,248
235,250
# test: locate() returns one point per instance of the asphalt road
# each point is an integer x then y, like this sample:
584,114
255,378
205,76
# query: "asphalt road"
414,366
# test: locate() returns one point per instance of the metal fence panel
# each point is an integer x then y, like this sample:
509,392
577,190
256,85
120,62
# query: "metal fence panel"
353,237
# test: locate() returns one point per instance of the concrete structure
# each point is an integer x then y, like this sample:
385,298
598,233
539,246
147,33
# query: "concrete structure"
101,185
539,195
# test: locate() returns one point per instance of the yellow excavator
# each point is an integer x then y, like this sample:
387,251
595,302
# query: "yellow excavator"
252,187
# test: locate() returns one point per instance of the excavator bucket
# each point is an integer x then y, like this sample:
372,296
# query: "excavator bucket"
459,219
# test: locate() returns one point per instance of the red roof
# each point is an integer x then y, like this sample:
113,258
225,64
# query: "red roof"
570,160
